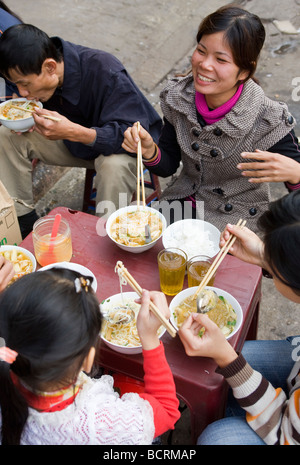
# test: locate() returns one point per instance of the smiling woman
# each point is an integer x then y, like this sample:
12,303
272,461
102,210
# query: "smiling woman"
230,139
214,71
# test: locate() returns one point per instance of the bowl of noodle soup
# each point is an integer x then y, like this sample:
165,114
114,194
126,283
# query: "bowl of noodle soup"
23,261
228,314
18,120
122,338
126,227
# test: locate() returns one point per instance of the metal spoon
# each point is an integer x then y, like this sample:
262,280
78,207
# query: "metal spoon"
148,237
119,315
206,301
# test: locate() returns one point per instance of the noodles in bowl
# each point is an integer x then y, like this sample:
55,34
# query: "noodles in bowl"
17,119
227,314
10,112
122,338
126,227
22,260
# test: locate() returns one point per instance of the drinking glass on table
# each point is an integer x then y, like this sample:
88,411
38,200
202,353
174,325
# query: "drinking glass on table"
47,250
172,267
197,268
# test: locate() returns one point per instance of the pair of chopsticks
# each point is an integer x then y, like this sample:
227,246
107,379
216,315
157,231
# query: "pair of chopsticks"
137,288
53,118
140,172
218,260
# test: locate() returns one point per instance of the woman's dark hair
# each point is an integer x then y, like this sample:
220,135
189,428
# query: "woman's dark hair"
52,327
244,33
280,226
24,47
5,8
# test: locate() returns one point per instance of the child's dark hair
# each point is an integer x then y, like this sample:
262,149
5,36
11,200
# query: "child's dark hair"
24,48
244,33
51,322
280,226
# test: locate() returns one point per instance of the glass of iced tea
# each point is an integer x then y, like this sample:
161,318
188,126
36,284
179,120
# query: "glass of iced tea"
197,268
49,251
172,266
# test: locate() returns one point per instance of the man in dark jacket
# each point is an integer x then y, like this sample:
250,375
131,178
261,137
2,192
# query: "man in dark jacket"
95,100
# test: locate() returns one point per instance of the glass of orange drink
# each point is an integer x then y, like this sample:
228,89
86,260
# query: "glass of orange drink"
172,267
197,268
47,250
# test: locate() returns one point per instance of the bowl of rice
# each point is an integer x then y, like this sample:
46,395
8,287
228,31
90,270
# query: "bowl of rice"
194,237
18,120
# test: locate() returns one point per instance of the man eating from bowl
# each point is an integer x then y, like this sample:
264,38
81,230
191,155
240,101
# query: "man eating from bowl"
95,99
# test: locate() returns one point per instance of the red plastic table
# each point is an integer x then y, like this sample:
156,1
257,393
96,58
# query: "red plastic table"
201,389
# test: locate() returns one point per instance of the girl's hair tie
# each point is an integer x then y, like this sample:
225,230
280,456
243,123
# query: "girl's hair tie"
82,283
7,355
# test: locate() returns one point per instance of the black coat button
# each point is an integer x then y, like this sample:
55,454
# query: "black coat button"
228,207
196,132
218,190
252,211
197,167
290,119
217,132
214,153
195,146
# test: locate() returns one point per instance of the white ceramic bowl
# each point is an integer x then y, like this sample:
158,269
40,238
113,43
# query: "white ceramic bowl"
129,209
191,290
4,248
18,125
194,237
75,267
117,299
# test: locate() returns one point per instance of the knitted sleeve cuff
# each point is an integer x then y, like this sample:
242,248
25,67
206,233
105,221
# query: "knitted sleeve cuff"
233,368
292,187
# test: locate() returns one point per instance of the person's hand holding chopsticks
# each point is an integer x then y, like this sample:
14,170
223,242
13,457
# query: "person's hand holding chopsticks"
147,323
60,127
131,139
124,274
247,247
